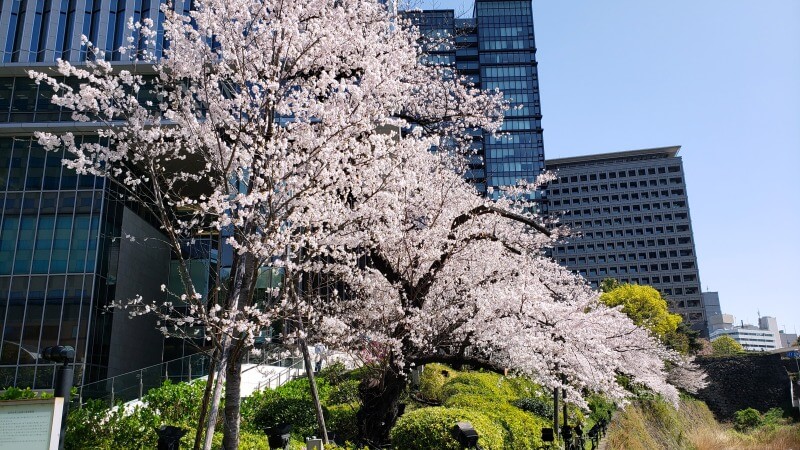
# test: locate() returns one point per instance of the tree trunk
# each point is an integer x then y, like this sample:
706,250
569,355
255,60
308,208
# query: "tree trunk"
213,410
380,400
314,393
230,440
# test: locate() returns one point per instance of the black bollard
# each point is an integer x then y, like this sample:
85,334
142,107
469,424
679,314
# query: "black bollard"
169,438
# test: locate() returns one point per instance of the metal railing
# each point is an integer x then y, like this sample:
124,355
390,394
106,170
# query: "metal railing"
134,385
295,369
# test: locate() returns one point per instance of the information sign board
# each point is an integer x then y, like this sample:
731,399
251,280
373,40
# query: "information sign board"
32,424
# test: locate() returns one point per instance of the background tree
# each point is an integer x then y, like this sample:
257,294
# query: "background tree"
726,346
645,306
609,284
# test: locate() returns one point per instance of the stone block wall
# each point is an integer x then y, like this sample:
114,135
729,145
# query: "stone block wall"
746,381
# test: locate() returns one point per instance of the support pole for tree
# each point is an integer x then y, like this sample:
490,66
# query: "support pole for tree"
312,381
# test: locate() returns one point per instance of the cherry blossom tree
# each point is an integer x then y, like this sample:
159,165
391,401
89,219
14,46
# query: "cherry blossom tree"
299,134
266,123
455,278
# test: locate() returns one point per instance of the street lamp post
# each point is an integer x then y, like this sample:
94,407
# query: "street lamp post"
64,376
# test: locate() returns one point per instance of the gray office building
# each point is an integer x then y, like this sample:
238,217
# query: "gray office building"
630,214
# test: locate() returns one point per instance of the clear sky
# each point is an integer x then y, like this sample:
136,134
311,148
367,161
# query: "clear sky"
721,78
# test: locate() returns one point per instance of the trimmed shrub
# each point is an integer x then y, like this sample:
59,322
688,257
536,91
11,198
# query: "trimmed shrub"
433,377
345,391
177,404
290,403
342,420
431,428
521,430
478,383
539,406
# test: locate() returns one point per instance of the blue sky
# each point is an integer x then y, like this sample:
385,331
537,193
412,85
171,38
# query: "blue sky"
720,78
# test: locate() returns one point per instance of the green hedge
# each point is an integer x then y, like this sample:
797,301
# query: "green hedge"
431,428
342,420
433,378
479,383
521,429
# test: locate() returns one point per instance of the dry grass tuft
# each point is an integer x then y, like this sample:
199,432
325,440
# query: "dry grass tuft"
655,425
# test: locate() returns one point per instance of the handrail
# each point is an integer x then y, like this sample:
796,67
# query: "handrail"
163,363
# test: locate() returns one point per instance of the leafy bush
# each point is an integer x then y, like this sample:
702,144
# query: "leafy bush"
521,430
178,404
342,420
334,373
601,408
432,379
290,403
345,391
478,383
747,419
96,426
13,393
430,428
540,406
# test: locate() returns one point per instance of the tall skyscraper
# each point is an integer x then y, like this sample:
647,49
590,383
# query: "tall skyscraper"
630,211
496,49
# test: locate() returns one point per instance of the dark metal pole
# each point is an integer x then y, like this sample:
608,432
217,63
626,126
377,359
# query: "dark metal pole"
555,412
64,377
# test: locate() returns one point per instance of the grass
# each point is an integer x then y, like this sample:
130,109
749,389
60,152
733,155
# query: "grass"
656,425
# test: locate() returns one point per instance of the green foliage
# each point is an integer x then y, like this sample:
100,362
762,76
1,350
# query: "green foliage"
520,429
645,306
540,405
334,373
342,420
344,392
431,428
726,346
601,408
432,379
96,426
609,284
684,340
479,383
13,393
747,419
177,404
290,403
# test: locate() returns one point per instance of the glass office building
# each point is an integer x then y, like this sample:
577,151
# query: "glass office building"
496,50
60,247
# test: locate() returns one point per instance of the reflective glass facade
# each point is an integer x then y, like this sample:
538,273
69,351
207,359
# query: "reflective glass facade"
50,226
60,252
496,50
